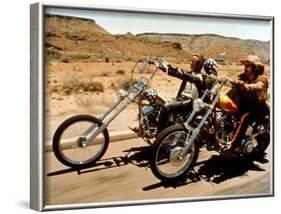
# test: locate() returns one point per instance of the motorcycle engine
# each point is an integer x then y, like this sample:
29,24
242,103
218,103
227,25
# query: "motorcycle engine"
228,125
149,120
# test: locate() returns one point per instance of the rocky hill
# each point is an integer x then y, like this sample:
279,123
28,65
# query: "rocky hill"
213,45
78,39
72,39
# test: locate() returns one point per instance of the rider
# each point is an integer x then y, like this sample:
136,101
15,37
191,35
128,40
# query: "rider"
192,83
250,97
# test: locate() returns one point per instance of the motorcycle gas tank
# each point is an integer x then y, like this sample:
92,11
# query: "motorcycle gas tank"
160,100
225,103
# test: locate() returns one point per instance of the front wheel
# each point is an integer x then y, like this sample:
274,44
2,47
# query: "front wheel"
69,137
165,163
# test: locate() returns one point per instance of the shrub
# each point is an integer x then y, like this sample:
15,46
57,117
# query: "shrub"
76,36
71,82
74,58
52,55
112,85
65,60
50,34
92,86
177,45
128,84
77,82
120,71
104,73
78,57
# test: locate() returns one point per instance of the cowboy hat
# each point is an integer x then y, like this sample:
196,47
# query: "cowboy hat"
254,60
251,59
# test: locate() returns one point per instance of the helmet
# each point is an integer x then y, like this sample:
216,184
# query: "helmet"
211,66
151,95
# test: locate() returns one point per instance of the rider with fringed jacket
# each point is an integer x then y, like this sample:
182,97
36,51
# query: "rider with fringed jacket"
249,95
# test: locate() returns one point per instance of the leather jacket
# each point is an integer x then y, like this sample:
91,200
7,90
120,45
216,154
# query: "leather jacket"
195,78
254,94
256,88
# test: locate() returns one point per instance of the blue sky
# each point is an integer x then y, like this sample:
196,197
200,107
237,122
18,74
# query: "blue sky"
123,22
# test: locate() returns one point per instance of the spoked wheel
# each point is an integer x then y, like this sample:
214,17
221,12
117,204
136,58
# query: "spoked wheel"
69,137
165,162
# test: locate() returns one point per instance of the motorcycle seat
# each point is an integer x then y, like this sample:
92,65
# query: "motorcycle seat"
176,104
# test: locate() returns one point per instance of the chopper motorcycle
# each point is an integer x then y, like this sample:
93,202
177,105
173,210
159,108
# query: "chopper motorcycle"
212,123
80,141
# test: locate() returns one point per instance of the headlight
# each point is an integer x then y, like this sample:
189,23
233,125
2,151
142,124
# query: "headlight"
121,94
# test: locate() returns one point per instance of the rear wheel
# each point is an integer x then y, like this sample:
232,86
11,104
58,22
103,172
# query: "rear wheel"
165,162
69,137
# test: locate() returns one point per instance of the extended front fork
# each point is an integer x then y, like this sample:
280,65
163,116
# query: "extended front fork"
131,96
195,131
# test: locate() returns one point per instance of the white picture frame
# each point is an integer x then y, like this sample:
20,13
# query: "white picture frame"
38,173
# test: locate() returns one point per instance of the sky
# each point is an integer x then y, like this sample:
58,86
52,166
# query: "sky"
123,22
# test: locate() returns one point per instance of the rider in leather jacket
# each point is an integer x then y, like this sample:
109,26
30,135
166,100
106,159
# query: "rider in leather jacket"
194,82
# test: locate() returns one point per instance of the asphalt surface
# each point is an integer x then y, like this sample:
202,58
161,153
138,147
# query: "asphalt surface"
123,175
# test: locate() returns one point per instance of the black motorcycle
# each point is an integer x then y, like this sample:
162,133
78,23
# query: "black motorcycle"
82,140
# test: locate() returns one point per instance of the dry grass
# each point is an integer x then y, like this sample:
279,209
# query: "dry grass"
126,84
76,82
69,84
120,72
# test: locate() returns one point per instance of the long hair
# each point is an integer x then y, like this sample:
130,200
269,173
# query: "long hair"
200,62
259,69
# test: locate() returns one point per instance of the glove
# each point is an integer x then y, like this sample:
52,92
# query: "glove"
179,70
163,66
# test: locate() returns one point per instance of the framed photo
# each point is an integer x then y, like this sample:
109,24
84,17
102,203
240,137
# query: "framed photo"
134,106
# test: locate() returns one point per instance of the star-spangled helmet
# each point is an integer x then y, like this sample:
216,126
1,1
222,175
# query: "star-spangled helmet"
211,66
151,95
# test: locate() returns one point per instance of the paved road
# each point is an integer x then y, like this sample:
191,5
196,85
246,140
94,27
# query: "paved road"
124,175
